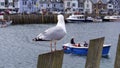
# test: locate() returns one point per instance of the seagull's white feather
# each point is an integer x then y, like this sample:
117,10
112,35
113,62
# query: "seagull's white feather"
54,33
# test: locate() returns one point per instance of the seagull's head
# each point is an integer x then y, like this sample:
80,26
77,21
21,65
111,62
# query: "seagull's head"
35,39
39,39
60,17
61,21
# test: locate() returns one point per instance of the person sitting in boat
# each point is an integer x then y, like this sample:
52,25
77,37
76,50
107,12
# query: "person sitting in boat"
74,44
78,45
85,44
72,41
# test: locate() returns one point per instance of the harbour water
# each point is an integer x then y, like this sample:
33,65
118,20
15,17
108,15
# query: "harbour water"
17,50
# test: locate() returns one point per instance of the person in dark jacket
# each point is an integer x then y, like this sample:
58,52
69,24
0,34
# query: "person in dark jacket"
85,44
72,41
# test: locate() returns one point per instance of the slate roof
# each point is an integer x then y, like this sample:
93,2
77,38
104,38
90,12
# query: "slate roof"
95,1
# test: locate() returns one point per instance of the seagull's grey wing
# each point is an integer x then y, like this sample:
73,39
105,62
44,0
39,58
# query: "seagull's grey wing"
54,33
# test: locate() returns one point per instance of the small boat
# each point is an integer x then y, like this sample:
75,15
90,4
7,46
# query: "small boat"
82,50
97,19
79,18
111,18
5,24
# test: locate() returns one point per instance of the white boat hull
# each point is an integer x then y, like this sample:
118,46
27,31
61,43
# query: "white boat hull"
68,48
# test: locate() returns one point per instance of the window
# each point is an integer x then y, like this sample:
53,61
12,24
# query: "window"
41,5
10,4
87,5
73,9
34,2
73,4
54,5
2,3
68,4
81,5
110,6
24,2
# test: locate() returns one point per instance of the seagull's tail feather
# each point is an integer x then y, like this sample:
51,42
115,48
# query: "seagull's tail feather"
35,39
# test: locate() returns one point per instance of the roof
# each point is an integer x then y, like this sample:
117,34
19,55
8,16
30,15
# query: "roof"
103,1
94,1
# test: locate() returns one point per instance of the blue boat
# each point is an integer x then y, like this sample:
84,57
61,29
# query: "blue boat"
82,50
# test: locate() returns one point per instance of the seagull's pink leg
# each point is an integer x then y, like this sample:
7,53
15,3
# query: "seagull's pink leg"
55,45
51,45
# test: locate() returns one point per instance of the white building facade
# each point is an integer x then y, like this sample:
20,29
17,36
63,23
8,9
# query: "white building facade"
6,4
2,4
37,5
10,4
116,6
72,5
26,6
88,6
51,5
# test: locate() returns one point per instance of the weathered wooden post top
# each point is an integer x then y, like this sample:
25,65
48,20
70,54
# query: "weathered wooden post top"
51,60
94,53
117,60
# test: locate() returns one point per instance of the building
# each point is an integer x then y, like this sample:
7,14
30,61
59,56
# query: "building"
99,8
10,4
88,5
51,5
116,4
110,7
6,4
81,6
71,5
56,4
2,4
31,6
16,6
26,6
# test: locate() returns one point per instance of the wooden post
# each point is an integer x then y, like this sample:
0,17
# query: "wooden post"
117,60
51,60
94,53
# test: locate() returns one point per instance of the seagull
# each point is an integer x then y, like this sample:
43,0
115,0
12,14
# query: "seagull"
53,34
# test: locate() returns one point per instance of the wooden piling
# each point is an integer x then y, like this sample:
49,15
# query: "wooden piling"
117,60
51,60
94,53
33,18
